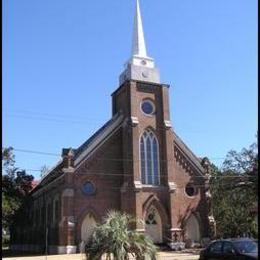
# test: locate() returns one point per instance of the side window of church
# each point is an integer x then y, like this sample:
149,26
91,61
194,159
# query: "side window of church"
149,153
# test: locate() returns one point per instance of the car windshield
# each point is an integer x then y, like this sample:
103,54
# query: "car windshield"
246,246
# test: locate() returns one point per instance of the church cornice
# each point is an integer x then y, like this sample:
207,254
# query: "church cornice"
128,82
184,157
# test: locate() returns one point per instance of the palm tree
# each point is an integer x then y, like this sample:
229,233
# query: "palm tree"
115,238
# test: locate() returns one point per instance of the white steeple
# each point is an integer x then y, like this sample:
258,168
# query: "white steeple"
138,48
139,66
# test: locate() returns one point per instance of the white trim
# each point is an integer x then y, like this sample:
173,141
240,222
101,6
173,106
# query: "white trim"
134,121
175,229
61,250
138,185
167,124
99,140
172,186
71,249
151,186
140,230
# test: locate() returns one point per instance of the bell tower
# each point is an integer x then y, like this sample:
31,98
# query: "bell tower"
146,91
147,139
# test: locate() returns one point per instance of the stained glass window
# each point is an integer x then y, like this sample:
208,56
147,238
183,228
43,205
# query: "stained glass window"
148,107
149,158
89,188
142,159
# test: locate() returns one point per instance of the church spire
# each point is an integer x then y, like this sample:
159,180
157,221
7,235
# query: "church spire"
138,48
139,67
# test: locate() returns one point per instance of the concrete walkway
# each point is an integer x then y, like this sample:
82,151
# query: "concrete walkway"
160,256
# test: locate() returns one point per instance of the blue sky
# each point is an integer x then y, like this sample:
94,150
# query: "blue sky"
62,60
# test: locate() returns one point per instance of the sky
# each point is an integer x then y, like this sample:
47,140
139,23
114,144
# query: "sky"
62,60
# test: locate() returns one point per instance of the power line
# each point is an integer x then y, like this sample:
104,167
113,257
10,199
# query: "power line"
67,119
145,186
162,174
33,113
110,159
50,119
36,152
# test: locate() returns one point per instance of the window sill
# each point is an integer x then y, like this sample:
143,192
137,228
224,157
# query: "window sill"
153,187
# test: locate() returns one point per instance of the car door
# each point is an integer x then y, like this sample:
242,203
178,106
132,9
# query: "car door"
229,252
214,251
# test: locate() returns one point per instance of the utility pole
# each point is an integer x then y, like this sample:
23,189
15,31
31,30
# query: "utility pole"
46,228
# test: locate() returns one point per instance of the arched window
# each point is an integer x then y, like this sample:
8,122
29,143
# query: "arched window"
149,153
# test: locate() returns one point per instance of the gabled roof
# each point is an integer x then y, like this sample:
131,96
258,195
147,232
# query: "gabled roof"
98,138
194,160
84,150
49,176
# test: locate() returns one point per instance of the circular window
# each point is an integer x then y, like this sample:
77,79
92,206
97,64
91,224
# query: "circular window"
89,188
148,107
190,190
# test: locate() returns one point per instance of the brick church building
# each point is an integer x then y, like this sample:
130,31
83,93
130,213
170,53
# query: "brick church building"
135,163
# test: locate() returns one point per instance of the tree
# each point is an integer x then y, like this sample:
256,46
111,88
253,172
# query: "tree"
244,164
116,238
16,185
234,193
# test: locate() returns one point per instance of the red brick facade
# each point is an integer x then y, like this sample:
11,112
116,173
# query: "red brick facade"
110,160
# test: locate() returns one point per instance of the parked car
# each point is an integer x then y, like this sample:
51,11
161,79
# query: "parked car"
231,249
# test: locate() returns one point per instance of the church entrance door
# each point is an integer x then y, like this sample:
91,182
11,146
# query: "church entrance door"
153,225
87,227
192,229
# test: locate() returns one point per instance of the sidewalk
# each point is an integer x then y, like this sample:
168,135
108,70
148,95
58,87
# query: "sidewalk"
160,256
